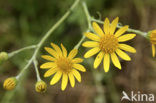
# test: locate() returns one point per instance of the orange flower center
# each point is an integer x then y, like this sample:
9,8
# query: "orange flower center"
153,37
108,43
64,64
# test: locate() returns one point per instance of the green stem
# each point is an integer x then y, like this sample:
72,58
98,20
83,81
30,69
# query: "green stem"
144,34
112,88
20,50
87,15
36,69
51,30
97,76
57,24
89,24
80,42
23,70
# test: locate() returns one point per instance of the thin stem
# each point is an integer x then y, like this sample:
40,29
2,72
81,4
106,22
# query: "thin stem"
112,88
51,30
23,70
57,24
144,34
87,15
20,50
80,42
89,24
97,78
36,69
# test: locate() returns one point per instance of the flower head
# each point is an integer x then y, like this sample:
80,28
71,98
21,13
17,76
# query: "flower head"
10,83
62,65
108,44
41,86
3,57
152,36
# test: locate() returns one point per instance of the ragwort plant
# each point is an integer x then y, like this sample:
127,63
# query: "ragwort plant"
106,42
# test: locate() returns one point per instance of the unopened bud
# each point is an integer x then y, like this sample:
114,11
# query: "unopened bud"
10,83
152,36
3,56
41,87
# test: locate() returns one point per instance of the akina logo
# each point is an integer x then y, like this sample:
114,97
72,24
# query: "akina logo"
139,97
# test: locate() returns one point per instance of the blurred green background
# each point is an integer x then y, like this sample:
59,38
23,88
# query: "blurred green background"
24,22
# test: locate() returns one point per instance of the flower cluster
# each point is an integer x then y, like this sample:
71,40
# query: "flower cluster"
108,43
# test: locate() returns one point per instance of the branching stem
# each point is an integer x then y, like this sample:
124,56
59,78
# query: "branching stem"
20,50
51,30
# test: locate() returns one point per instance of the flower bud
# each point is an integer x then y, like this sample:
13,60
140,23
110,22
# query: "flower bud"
41,87
10,83
152,36
3,56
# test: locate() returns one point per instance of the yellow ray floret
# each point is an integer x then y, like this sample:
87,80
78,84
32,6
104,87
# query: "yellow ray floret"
62,65
108,44
153,41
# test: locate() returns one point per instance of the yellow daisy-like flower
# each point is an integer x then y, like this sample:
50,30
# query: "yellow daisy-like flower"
153,41
62,65
107,43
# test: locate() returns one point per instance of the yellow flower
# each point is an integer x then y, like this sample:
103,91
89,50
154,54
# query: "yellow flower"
153,41
10,83
108,43
41,87
62,65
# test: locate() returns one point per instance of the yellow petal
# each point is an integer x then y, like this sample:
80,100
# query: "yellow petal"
153,50
126,37
127,48
48,65
106,26
79,67
106,62
123,55
58,50
97,29
98,59
76,75
91,52
121,31
77,60
113,25
153,40
51,51
64,82
90,44
73,53
47,57
56,78
71,79
92,36
50,72
64,50
115,60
